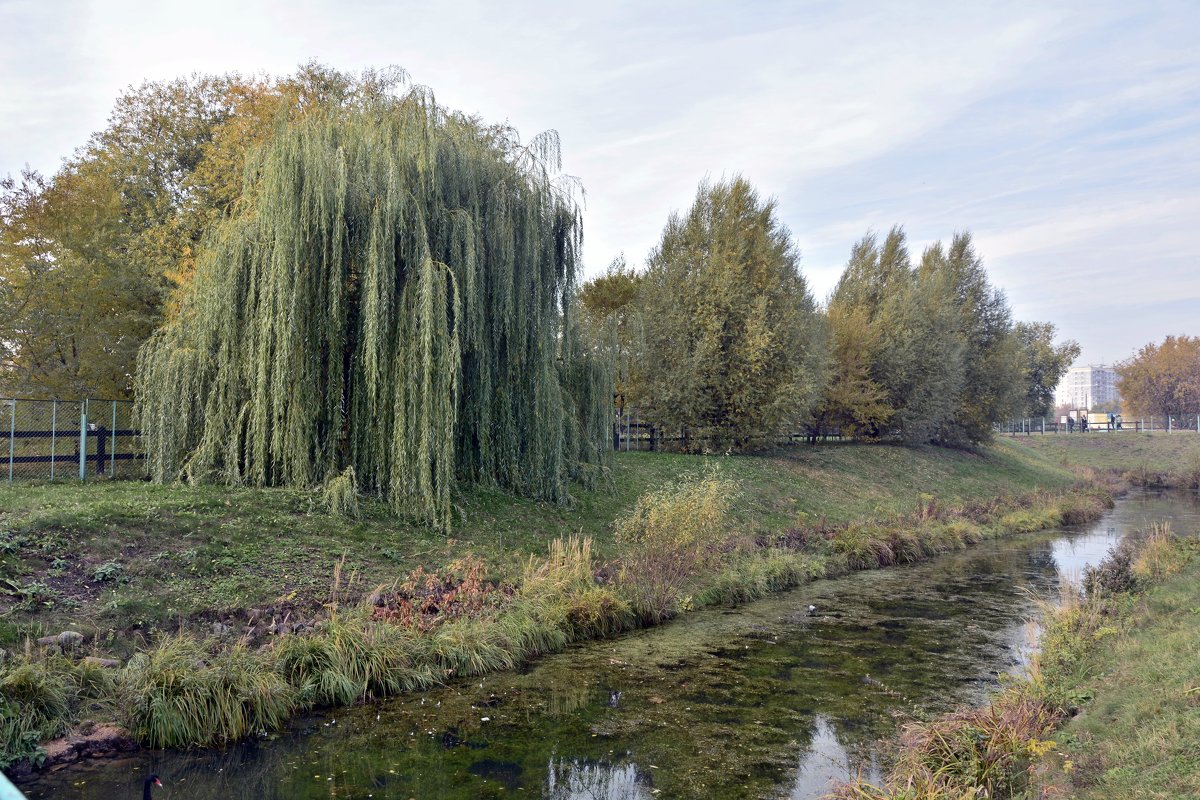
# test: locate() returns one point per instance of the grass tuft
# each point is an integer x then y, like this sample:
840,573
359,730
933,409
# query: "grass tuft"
349,658
178,695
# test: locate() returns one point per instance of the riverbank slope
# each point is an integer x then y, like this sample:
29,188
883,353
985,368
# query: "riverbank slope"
1139,729
1149,458
119,561
668,537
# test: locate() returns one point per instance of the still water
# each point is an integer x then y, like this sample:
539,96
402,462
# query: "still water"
762,701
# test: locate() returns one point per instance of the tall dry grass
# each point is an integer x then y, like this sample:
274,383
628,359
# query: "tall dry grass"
670,536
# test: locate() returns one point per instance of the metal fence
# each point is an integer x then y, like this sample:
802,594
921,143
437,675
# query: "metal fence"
631,433
68,439
1176,423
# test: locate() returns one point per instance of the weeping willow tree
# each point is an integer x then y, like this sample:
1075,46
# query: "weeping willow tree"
393,297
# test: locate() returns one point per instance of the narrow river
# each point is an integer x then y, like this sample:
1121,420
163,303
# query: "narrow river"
761,701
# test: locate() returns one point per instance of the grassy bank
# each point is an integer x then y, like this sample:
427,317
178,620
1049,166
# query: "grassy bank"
120,561
1107,710
1138,731
706,531
1163,458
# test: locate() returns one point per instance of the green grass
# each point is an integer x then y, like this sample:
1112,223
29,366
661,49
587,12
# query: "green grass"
120,560
1139,737
1122,450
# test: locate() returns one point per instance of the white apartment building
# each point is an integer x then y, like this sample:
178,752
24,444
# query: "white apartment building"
1087,387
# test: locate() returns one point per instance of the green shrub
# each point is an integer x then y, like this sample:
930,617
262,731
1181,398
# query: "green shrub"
863,546
669,537
1158,557
562,593
1143,476
964,532
467,647
906,545
1114,574
597,613
1028,520
987,751
567,567
1080,508
527,634
1188,474
690,513
39,699
760,574
35,704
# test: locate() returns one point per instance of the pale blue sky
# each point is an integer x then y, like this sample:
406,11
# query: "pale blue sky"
1066,136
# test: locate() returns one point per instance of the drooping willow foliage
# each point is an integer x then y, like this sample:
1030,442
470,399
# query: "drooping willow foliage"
393,296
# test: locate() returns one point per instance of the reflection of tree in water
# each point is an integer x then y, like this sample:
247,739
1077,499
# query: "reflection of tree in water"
564,699
828,760
583,779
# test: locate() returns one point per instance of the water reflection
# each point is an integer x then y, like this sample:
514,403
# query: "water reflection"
575,779
758,701
827,761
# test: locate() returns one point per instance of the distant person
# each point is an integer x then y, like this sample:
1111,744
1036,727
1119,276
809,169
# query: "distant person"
1083,424
1070,424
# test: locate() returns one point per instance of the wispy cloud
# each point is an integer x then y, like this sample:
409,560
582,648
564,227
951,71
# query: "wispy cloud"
1066,135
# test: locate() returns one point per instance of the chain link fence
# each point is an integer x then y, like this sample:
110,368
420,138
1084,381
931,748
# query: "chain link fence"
68,439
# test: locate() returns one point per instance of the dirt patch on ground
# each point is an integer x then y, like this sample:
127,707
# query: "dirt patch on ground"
88,741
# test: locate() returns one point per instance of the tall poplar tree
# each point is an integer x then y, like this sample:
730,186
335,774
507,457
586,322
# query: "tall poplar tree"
928,354
1045,364
734,347
611,323
992,373
896,360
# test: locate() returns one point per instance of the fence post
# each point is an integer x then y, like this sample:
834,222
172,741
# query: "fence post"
12,436
53,431
112,442
83,440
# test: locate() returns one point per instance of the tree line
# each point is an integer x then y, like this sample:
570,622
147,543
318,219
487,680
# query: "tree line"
720,339
330,276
